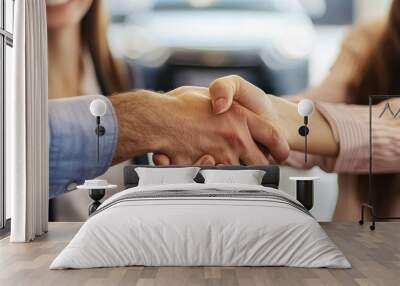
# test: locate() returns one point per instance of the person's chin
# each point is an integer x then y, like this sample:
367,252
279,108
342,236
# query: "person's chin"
57,23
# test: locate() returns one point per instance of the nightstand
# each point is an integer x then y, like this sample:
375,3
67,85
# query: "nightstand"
305,190
96,193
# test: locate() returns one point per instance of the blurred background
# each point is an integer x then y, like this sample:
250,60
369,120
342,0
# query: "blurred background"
282,46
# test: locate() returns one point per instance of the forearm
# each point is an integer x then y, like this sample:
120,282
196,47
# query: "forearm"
320,139
72,146
133,127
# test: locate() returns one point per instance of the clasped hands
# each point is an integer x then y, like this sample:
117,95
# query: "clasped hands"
231,122
239,125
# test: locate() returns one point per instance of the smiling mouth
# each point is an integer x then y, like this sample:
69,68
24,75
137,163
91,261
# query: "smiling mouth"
56,2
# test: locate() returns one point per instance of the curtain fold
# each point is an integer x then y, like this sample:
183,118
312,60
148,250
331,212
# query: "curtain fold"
27,123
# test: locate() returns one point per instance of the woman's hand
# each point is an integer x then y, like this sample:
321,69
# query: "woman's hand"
229,89
279,111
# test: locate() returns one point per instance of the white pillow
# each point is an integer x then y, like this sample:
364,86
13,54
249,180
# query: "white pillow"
248,177
164,176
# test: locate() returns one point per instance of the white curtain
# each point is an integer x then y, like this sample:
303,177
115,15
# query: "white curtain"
26,124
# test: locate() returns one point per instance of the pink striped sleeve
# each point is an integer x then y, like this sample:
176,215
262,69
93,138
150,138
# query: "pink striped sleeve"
350,123
350,126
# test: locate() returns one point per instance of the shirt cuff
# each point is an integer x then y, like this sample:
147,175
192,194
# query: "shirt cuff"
350,130
73,142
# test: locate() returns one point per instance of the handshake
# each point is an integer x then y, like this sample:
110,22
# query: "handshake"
231,122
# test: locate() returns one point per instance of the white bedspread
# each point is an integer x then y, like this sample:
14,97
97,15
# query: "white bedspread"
227,231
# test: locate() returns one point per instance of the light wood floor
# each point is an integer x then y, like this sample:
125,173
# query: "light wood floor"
375,257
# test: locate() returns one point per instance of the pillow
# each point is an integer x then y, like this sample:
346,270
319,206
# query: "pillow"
248,177
163,176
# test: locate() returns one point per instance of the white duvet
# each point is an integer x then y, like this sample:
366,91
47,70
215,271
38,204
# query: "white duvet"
192,231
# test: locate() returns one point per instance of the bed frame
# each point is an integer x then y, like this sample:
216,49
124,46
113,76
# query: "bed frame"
270,179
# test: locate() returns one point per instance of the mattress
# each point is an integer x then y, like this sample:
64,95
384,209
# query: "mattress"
201,225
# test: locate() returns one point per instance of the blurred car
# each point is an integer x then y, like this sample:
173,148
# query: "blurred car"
191,42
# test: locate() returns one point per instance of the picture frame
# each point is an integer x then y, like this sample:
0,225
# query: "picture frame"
371,204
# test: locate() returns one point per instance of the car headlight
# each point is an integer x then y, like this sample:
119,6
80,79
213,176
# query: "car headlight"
295,42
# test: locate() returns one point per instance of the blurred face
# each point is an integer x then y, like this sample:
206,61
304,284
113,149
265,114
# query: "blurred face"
61,13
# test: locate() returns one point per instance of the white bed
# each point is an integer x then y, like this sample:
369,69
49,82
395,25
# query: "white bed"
165,225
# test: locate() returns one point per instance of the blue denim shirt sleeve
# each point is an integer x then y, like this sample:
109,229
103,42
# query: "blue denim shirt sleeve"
73,142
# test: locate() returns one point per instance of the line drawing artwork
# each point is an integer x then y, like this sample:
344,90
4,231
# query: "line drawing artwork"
387,107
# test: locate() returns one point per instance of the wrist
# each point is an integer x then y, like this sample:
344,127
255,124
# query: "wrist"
139,123
288,121
320,139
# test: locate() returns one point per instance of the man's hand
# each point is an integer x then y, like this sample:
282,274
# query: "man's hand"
182,126
163,160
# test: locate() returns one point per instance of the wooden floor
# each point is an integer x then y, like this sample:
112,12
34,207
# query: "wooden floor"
375,257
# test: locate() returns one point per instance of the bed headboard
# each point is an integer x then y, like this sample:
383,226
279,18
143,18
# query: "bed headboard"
270,179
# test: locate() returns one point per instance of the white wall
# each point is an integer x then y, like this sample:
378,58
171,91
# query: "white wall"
327,46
